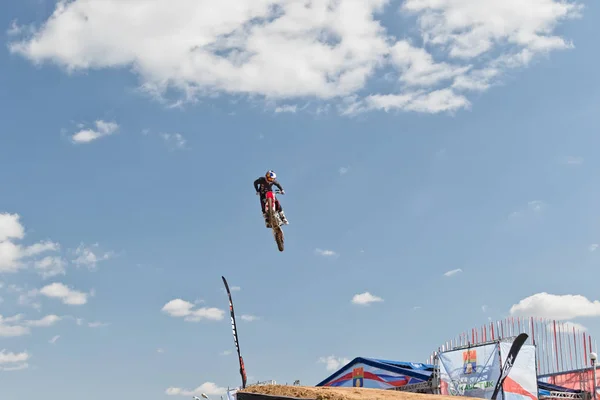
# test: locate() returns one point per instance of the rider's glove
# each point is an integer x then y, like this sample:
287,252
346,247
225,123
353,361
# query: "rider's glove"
283,192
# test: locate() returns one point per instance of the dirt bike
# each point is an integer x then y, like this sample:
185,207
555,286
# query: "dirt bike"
274,218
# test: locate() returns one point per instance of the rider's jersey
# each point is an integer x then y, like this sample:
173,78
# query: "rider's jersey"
262,186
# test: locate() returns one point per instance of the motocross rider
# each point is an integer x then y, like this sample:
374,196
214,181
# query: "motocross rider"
263,185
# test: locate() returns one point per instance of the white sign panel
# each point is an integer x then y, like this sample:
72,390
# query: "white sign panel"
521,382
471,372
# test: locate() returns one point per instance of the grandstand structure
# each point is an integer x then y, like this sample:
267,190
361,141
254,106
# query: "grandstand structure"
563,368
563,364
560,346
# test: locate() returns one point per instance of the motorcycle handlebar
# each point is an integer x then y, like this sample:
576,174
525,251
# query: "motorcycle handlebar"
274,191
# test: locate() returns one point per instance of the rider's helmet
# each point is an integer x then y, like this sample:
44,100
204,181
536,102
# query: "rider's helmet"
270,176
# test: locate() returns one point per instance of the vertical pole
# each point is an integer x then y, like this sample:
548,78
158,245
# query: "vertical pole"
542,327
594,377
556,347
542,351
536,349
570,351
560,344
575,347
500,366
498,323
585,357
548,350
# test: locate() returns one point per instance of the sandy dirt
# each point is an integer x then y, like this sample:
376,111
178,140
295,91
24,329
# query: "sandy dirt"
349,393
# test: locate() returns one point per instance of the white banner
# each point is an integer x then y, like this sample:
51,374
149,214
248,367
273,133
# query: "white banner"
232,394
471,372
521,382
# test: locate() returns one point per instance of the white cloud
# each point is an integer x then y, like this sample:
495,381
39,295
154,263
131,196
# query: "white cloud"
176,141
326,253
13,256
50,266
39,248
593,247
10,227
536,205
103,128
17,367
210,388
54,339
572,160
86,257
432,102
18,326
293,50
484,308
452,272
98,324
13,330
333,363
160,351
7,358
471,28
15,29
418,67
13,361
567,326
64,293
365,298
344,170
14,318
26,298
476,80
185,309
48,320
564,307
286,109
226,352
249,318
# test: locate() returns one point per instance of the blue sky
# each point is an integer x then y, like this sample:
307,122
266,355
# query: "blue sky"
464,142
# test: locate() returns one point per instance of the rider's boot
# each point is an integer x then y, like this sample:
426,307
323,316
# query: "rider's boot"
267,224
283,218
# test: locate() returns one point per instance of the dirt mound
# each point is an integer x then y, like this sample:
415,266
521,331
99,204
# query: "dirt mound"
340,393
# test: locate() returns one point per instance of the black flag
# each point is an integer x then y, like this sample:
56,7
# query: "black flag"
235,336
510,360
